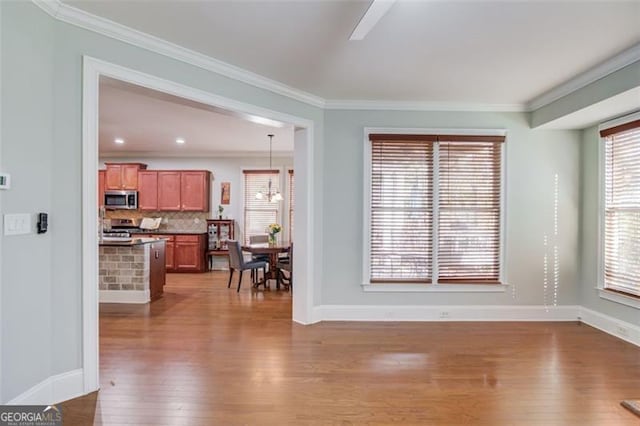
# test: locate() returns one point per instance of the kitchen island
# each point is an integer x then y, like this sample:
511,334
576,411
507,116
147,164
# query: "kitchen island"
131,270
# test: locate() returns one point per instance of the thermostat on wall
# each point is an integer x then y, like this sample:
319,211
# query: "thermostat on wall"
5,181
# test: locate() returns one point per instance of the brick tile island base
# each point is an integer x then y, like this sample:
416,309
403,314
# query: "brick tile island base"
132,272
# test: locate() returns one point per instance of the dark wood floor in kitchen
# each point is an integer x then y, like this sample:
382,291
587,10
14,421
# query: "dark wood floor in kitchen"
205,355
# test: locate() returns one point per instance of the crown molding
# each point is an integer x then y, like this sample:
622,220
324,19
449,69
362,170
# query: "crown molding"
422,106
88,21
195,154
611,65
71,15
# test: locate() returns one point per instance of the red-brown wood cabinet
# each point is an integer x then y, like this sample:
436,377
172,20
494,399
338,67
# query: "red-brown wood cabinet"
174,190
122,176
148,190
185,253
169,191
157,269
189,255
194,191
101,174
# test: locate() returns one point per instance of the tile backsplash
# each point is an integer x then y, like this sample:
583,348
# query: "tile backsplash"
171,221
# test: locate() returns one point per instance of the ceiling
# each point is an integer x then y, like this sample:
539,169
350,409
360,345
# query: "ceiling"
150,122
475,51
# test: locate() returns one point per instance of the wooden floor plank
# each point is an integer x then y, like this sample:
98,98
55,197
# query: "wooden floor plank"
206,355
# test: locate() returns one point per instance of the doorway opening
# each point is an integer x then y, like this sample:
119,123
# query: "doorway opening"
97,72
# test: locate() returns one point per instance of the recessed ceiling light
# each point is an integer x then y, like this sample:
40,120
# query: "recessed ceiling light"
119,141
180,141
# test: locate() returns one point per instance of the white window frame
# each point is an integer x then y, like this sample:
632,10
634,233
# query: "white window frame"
288,200
366,222
604,293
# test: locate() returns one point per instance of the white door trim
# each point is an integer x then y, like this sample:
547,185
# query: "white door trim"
92,70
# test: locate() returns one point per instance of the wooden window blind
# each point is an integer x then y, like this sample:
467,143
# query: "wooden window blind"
435,208
401,210
622,208
291,204
258,214
469,211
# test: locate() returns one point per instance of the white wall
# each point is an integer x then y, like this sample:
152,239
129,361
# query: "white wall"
533,158
42,147
26,153
41,97
225,169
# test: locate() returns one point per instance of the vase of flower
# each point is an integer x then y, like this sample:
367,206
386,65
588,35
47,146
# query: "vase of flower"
273,231
220,210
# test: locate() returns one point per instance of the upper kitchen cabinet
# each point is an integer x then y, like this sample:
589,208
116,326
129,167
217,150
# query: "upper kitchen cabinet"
120,176
194,189
186,190
169,191
148,190
101,175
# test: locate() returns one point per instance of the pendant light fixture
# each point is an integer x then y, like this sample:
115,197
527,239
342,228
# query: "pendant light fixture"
272,195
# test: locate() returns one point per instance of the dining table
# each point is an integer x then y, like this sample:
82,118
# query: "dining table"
272,251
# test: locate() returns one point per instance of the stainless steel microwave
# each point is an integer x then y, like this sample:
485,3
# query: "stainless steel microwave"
121,200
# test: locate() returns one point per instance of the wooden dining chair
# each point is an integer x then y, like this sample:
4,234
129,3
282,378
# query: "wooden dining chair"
237,262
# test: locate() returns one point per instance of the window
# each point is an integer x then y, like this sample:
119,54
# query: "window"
291,205
435,209
622,208
258,214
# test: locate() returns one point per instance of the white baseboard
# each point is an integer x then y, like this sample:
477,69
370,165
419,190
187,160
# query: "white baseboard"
445,313
53,390
618,328
124,296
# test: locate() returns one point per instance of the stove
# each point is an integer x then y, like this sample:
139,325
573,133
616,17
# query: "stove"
125,224
119,234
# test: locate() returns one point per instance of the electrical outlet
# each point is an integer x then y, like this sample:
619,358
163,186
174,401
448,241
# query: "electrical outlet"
444,314
622,331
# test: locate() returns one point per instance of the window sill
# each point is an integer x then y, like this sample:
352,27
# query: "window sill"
612,296
434,288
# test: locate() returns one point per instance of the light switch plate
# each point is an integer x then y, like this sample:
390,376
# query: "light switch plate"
17,224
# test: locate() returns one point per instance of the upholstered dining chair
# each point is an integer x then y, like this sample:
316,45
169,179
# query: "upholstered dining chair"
285,264
237,262
258,239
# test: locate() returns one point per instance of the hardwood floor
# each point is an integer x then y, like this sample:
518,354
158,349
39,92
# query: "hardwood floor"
206,355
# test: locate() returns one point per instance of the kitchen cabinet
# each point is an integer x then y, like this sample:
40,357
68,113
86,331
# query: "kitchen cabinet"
170,254
189,254
169,251
101,174
186,190
184,253
157,269
148,190
194,190
169,197
122,176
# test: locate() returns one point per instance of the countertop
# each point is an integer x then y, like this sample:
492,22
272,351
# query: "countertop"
129,242
167,232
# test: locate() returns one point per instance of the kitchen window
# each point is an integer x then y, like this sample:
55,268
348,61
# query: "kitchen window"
621,208
259,213
435,209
